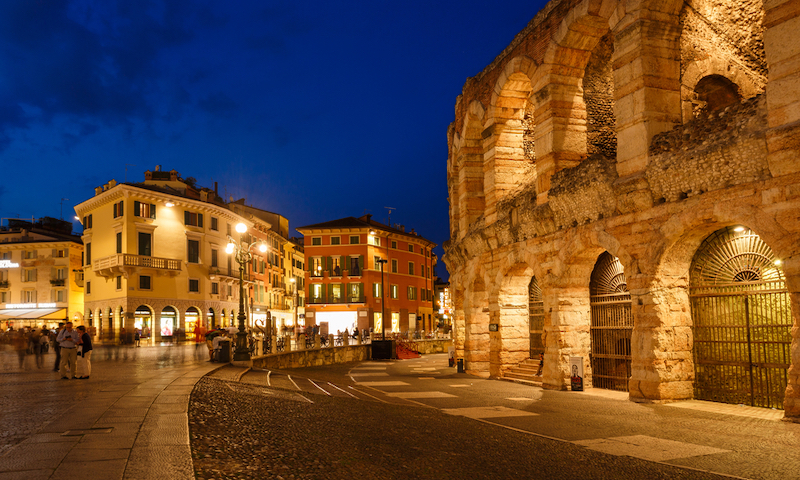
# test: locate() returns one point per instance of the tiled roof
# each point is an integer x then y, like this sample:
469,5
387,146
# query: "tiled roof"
362,222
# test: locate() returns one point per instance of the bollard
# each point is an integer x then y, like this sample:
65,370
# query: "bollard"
301,343
461,366
272,345
287,343
317,342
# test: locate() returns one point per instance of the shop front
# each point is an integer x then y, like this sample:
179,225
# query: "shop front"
33,315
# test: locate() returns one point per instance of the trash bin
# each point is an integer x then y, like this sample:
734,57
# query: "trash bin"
224,351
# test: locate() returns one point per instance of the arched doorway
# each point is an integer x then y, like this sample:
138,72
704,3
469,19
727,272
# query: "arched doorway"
211,321
612,324
143,320
192,320
223,319
109,322
169,321
535,318
741,320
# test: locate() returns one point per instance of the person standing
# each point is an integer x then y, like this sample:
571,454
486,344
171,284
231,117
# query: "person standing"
86,353
69,340
137,337
57,347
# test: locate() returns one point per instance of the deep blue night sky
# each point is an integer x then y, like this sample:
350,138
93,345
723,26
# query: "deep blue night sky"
315,110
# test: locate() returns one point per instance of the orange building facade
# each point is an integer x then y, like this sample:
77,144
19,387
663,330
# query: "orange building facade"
344,282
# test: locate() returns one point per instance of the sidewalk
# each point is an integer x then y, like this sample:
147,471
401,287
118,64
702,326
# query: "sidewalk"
130,420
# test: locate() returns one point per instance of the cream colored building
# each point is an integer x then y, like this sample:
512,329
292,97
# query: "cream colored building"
41,282
155,257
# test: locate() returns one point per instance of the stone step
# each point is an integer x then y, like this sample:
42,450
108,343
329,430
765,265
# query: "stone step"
522,376
532,383
525,368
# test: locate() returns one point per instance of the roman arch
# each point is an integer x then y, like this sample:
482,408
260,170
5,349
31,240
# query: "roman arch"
616,139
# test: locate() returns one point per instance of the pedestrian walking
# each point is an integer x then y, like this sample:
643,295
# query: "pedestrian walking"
541,364
19,343
57,347
137,337
69,340
85,354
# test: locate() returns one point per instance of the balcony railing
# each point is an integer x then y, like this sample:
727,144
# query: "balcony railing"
354,272
58,282
335,300
4,284
78,277
120,260
230,273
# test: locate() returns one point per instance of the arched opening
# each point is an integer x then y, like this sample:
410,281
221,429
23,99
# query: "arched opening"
109,323
143,320
469,191
535,318
211,320
223,319
192,320
169,322
611,324
598,96
741,320
714,93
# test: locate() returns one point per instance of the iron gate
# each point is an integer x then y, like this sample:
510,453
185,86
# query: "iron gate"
741,321
535,318
612,324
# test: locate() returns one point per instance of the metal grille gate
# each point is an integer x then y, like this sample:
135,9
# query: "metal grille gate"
612,324
741,321
535,318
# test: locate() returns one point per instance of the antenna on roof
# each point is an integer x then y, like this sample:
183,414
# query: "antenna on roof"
62,207
126,170
389,222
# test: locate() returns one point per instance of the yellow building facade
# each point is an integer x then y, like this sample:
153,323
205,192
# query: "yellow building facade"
41,279
155,258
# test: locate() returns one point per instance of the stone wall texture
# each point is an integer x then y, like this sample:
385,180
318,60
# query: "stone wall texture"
627,159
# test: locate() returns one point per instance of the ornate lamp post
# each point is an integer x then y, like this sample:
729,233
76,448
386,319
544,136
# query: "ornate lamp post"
294,297
383,261
243,256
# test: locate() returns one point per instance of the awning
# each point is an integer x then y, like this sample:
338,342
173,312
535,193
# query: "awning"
31,313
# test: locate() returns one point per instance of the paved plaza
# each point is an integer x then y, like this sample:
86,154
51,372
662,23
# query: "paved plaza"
166,412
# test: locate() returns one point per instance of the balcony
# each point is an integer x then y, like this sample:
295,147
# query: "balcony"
4,284
335,300
126,264
78,277
58,282
227,274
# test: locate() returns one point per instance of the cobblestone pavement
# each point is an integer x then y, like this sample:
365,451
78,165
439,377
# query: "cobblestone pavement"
419,419
103,427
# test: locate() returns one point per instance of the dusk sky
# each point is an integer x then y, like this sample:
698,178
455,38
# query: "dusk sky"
314,110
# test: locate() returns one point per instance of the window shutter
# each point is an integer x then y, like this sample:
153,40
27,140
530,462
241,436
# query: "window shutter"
121,208
330,292
347,292
346,264
361,291
137,209
330,266
186,217
152,210
361,262
199,219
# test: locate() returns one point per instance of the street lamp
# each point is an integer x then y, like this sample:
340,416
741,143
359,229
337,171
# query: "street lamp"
243,256
295,298
382,261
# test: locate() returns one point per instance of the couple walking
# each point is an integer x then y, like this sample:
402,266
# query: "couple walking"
71,341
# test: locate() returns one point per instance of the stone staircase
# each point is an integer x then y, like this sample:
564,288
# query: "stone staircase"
524,373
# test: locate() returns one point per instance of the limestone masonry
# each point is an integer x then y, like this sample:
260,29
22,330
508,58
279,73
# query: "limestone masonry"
647,129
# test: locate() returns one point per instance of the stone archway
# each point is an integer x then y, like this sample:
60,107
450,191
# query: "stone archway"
476,336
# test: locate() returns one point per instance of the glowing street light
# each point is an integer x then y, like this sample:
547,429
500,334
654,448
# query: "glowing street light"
243,256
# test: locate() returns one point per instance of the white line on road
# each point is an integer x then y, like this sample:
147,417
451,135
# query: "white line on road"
315,384
290,379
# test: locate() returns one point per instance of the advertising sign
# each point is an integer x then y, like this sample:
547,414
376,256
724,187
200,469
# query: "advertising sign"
576,373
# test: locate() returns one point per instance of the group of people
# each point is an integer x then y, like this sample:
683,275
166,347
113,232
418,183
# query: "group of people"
70,344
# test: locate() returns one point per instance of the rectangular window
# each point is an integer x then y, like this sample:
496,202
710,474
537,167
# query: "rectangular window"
356,264
412,293
394,291
374,240
394,244
316,240
230,290
355,240
119,282
145,241
214,258
194,285
118,209
214,224
29,275
60,253
144,282
316,293
411,248
193,249
335,290
376,262
29,296
119,242
4,296
144,210
87,222
88,288
88,253
215,288
193,219
336,240
411,268
394,265
29,254
376,290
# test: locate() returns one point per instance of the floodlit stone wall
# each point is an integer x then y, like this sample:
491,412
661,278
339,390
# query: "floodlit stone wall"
653,124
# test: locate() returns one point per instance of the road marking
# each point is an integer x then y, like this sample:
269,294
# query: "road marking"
519,399
460,385
290,379
422,369
367,394
383,384
648,448
487,412
314,383
427,378
345,391
268,380
420,395
370,368
370,374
